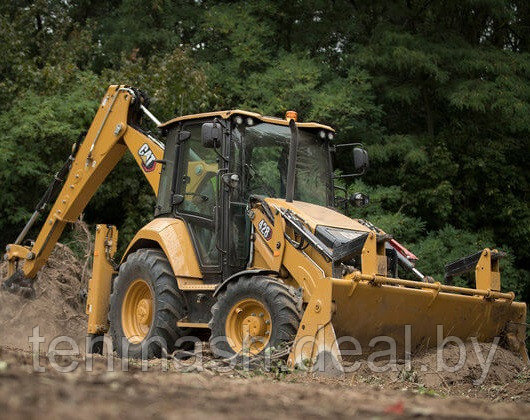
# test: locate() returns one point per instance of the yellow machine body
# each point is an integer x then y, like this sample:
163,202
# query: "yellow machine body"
172,236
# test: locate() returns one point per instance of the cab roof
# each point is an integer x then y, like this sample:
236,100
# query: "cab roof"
227,114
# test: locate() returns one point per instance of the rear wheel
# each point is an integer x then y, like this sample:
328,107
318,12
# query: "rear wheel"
253,314
145,306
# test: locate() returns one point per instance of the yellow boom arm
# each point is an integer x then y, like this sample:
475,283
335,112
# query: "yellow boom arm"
111,133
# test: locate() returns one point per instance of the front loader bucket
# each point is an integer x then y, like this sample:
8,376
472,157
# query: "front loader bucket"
419,318
368,313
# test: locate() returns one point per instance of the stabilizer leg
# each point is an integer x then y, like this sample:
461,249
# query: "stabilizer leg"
99,286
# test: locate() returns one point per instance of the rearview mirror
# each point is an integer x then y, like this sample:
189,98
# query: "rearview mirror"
211,134
360,159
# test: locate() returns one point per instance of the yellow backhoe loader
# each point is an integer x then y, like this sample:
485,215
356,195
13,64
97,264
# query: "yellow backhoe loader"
246,243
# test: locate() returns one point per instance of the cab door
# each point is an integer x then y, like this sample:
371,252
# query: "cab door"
198,199
239,230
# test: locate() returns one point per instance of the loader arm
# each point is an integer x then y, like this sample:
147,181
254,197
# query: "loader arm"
113,131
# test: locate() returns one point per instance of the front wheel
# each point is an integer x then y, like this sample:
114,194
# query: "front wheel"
145,306
254,314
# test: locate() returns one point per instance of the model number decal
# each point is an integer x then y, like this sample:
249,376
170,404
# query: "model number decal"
265,229
148,157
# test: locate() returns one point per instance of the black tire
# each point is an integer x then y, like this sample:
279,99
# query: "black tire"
284,304
169,305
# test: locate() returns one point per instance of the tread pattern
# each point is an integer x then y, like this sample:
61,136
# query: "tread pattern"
284,304
170,305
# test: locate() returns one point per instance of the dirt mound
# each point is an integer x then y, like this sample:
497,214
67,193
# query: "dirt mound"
58,308
470,367
477,369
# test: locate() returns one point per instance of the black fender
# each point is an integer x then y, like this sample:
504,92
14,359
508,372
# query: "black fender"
239,274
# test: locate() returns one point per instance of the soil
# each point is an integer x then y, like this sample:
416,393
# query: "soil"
179,391
58,308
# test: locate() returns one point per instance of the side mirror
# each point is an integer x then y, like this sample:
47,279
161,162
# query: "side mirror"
360,159
359,200
211,134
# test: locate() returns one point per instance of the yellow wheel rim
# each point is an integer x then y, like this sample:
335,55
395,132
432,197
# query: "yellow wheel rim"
137,311
248,327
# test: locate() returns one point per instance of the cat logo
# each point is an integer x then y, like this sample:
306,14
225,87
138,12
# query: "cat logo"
148,157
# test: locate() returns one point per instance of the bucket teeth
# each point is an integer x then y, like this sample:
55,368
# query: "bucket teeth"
20,285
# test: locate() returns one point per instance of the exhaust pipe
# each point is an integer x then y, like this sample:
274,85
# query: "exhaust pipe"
291,166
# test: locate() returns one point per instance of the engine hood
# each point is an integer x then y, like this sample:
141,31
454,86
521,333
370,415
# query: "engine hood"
316,215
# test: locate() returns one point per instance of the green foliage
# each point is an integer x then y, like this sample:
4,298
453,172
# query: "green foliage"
386,210
15,66
176,85
449,244
33,147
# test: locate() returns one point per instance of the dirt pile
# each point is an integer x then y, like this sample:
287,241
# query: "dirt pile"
58,308
470,367
481,370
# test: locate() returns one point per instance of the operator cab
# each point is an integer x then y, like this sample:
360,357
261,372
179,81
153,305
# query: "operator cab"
214,162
